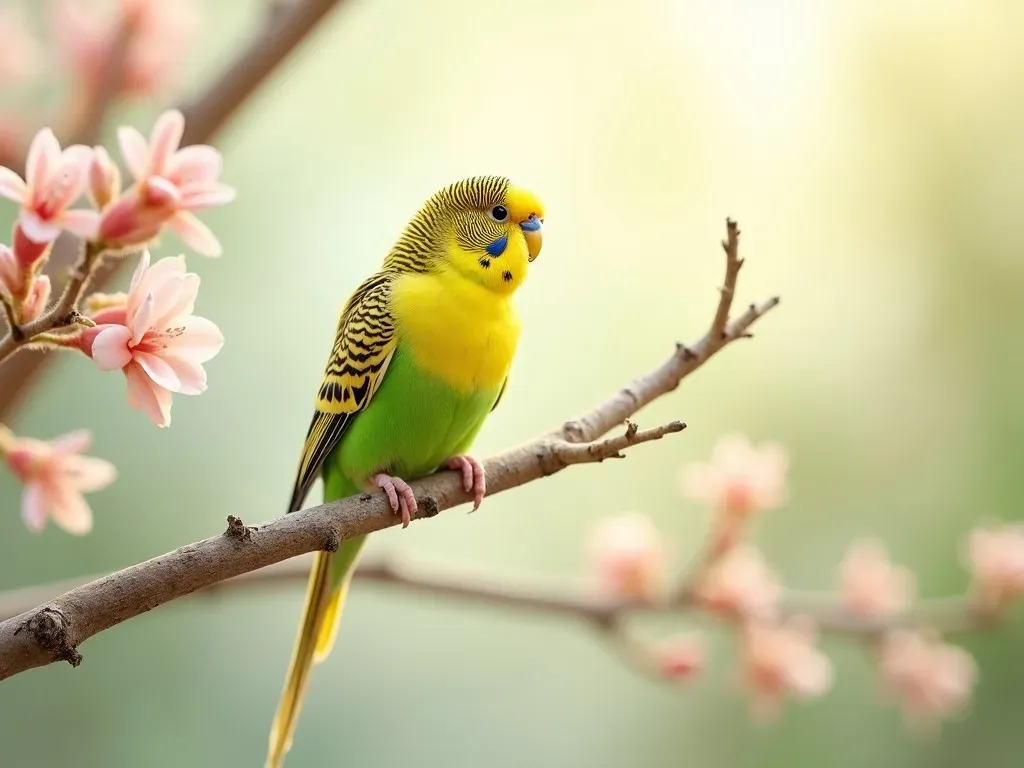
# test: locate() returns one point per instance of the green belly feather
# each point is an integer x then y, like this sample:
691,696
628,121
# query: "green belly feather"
414,423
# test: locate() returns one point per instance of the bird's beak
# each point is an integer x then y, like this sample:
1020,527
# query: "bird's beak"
532,231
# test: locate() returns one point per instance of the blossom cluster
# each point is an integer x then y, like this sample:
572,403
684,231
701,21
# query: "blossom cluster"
84,36
150,333
777,640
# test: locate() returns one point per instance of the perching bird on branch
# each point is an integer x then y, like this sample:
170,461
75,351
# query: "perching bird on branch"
421,357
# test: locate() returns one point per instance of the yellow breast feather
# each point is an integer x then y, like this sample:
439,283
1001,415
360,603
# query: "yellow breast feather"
456,329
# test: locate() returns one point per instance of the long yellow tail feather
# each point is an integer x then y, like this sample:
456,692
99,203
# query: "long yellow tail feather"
319,603
332,620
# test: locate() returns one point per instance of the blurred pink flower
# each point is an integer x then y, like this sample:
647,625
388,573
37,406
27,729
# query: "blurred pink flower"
55,476
740,478
154,339
780,660
931,680
162,31
28,298
170,183
740,583
626,555
681,657
19,51
54,179
870,585
996,559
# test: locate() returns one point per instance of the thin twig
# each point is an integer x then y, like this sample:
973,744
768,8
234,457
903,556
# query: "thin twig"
63,313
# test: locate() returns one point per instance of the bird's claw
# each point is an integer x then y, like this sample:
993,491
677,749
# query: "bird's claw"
473,479
400,495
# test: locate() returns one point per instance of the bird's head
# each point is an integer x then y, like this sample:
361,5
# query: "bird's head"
485,228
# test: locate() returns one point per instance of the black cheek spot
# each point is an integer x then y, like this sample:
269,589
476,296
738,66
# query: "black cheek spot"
485,263
506,276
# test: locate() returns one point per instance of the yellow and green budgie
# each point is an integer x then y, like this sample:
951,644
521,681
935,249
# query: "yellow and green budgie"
421,357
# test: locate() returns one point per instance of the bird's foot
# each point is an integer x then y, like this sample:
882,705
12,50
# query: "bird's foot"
473,480
403,501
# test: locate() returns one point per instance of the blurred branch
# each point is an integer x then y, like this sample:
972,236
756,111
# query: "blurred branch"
286,26
604,613
53,631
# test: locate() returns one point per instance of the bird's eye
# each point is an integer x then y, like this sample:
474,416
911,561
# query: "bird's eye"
499,213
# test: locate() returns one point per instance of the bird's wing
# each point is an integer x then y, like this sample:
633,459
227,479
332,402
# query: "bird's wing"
363,347
501,392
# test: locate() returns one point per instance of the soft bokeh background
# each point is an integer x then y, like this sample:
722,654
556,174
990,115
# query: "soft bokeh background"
872,155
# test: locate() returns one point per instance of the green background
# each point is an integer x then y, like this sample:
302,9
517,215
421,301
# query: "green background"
872,155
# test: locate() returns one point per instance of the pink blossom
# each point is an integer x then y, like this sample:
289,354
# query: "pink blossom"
780,660
740,583
996,558
626,554
55,476
27,296
170,183
740,478
870,585
54,179
154,338
931,680
161,33
680,658
19,52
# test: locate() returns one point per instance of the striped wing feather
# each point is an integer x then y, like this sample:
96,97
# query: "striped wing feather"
363,347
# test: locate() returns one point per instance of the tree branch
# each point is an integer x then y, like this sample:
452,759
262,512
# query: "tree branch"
285,29
53,631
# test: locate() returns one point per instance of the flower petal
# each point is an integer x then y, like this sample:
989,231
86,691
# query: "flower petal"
37,230
152,280
135,152
158,370
147,396
70,511
195,234
87,473
110,348
140,270
200,341
198,162
33,507
43,159
203,196
81,222
12,186
176,300
70,177
140,322
72,442
190,373
164,141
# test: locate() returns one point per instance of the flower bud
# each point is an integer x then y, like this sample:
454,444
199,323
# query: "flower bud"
104,178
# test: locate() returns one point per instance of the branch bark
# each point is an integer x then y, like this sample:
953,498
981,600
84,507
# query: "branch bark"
285,29
54,631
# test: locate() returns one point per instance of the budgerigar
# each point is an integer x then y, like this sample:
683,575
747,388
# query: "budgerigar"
421,357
